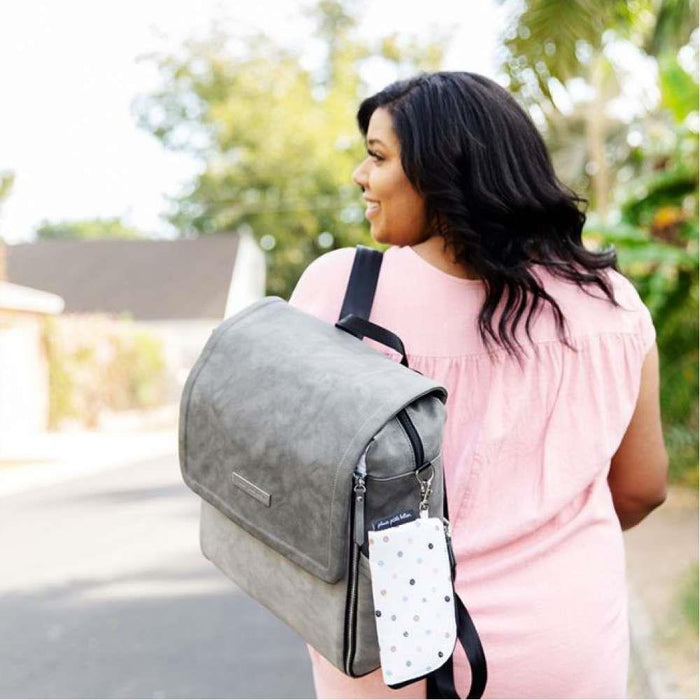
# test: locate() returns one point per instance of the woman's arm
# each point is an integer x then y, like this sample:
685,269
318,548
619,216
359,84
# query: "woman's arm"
639,469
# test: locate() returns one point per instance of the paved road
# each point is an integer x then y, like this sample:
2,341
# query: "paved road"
104,593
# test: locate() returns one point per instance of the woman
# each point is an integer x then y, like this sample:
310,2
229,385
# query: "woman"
553,442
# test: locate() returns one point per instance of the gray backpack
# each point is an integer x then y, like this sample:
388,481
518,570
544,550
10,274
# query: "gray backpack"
299,438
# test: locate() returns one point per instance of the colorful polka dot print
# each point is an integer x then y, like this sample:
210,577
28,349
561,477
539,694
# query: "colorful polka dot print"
413,598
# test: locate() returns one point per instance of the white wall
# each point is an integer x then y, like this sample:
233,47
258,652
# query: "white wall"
24,380
184,339
248,277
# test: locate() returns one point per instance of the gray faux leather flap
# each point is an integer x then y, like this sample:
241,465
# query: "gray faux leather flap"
273,418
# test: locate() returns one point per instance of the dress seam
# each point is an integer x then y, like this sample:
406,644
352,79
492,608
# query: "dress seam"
584,338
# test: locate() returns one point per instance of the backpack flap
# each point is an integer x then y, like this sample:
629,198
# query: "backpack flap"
274,416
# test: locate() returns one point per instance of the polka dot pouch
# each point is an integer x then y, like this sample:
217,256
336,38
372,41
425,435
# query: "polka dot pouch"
413,598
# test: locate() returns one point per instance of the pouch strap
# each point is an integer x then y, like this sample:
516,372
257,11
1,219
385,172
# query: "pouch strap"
440,683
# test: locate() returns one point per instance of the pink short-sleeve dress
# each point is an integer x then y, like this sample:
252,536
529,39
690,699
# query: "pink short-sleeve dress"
526,453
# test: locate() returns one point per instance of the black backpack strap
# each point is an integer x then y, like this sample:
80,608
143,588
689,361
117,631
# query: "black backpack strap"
354,319
357,304
362,284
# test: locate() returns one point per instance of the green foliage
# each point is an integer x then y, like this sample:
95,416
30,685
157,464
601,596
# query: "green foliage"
674,22
86,229
136,373
679,91
278,142
689,597
666,277
551,41
96,362
657,245
61,385
7,180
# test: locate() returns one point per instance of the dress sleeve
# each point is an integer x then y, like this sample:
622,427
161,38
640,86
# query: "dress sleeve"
647,329
321,288
643,324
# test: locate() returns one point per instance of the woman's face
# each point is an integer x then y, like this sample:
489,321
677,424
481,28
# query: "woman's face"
396,212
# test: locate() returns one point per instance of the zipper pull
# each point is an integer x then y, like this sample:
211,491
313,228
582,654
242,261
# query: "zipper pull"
425,488
450,551
359,489
448,527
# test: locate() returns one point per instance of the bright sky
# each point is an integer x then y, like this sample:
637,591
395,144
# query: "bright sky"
69,73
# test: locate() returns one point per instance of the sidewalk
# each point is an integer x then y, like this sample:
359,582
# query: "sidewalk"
52,457
660,551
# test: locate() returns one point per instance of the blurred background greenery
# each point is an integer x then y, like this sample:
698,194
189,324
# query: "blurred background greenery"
98,362
277,143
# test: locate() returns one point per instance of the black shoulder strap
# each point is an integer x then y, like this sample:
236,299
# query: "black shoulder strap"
354,318
362,284
357,304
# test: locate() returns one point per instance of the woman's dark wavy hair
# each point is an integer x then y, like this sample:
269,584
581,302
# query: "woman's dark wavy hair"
491,192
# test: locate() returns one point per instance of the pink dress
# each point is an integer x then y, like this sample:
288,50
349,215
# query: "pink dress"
526,453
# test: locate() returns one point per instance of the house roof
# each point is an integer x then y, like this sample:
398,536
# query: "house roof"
151,279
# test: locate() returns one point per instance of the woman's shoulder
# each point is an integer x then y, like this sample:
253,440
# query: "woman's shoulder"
327,268
321,287
629,298
332,262
625,291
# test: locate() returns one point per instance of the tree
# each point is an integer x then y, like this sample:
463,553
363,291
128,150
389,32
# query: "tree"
553,47
86,229
278,142
657,244
674,23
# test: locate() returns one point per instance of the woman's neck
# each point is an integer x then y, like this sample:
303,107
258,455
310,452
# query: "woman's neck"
434,251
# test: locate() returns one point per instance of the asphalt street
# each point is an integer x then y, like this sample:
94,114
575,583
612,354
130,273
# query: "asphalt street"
104,593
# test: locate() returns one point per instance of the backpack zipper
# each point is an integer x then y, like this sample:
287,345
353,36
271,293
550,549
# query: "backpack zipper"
413,437
357,529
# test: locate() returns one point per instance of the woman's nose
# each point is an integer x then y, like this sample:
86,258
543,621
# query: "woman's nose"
359,176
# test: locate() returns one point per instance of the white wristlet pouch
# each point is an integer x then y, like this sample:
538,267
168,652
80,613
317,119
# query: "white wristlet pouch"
413,598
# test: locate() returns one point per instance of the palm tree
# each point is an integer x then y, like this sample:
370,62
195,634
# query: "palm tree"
554,46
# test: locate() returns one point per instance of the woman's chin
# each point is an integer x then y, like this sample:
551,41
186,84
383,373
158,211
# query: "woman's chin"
378,234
